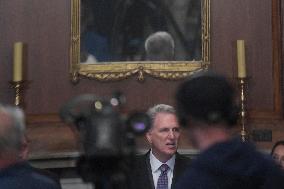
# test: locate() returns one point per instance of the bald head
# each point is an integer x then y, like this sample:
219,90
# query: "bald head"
159,46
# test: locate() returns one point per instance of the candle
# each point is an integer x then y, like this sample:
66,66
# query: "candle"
18,62
241,58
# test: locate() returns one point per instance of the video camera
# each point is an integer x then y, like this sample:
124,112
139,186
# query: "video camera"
108,137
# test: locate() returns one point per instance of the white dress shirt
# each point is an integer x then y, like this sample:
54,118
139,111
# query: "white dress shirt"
155,165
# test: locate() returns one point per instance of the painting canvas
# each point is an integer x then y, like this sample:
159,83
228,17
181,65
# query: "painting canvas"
116,30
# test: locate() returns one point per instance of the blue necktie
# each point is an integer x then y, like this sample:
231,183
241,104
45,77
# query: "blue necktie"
163,178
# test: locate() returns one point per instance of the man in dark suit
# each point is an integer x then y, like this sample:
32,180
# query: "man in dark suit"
161,166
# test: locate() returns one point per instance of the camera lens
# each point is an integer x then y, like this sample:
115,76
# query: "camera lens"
138,123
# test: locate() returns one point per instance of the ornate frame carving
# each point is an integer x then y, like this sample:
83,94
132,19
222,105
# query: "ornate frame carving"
170,70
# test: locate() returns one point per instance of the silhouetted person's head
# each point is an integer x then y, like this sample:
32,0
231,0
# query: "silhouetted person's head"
206,98
205,104
160,46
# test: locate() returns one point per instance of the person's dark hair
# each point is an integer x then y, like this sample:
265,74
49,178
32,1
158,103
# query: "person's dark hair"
278,143
206,97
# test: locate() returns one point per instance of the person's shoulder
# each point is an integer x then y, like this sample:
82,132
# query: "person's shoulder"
273,175
45,176
40,177
140,159
43,180
22,173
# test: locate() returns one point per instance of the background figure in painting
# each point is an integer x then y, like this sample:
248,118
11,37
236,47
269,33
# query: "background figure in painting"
96,23
277,153
160,46
115,30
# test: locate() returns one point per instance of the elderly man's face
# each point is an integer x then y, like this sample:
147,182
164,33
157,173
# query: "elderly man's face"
164,136
278,155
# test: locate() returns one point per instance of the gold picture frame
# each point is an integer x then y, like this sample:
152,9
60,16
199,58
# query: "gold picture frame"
170,70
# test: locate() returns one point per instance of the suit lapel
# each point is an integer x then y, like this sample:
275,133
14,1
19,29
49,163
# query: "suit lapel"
149,170
180,166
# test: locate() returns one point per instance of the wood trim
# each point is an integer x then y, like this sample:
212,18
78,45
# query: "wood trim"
43,118
265,115
277,112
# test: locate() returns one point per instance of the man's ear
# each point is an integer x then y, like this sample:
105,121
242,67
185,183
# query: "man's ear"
24,150
149,137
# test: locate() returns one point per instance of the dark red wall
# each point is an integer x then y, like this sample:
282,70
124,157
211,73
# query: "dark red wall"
45,27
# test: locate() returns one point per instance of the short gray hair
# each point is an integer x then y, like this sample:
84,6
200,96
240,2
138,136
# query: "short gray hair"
159,108
160,46
12,131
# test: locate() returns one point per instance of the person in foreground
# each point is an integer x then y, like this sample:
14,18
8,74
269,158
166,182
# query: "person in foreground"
277,153
15,172
205,104
161,166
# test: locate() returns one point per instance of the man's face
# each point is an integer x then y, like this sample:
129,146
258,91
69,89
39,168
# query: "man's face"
164,136
278,155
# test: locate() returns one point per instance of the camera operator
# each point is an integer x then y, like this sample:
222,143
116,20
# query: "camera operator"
206,105
161,166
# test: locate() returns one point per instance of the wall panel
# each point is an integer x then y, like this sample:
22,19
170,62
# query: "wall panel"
45,27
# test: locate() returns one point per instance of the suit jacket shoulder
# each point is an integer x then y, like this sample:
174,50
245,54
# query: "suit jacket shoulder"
23,176
141,173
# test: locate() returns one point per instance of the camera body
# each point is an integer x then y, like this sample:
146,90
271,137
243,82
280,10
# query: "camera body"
108,138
